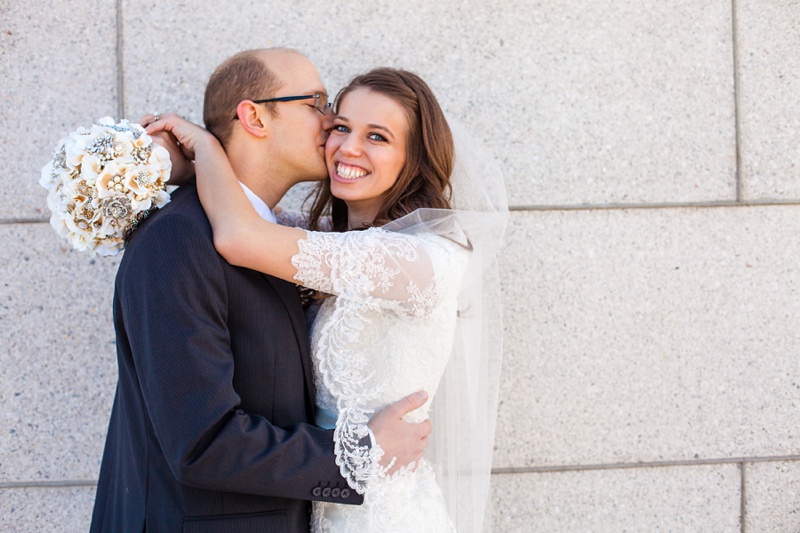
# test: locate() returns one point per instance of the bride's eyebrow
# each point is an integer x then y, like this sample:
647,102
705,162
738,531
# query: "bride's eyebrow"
382,128
369,126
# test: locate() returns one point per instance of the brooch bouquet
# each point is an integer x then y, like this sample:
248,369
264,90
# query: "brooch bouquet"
102,182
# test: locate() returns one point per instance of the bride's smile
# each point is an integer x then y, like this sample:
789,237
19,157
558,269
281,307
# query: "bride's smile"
345,172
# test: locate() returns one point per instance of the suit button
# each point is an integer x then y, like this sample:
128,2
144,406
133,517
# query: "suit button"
345,493
317,492
326,492
335,493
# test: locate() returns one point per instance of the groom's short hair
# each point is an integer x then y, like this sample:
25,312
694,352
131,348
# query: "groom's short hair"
244,76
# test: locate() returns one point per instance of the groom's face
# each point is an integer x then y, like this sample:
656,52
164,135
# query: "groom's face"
298,132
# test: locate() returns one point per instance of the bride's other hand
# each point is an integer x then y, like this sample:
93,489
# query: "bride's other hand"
182,166
190,136
400,440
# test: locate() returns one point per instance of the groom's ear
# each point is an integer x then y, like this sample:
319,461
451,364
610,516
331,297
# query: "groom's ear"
253,118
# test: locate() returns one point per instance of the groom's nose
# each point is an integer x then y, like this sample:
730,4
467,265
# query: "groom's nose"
327,121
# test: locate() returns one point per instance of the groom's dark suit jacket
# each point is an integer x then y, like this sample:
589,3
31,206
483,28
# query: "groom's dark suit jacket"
209,429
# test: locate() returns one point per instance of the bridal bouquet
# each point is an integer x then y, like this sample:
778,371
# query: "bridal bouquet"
102,182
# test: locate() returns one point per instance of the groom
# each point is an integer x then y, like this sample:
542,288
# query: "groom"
211,424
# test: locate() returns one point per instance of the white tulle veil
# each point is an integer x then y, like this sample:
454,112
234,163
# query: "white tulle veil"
464,410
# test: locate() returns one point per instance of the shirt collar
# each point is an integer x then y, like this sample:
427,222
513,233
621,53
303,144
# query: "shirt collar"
261,208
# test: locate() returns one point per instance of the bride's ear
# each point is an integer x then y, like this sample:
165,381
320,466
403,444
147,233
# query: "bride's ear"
253,118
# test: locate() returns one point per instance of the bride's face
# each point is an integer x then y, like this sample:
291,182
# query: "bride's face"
366,149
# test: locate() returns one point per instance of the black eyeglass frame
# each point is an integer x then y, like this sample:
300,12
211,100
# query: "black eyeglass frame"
315,96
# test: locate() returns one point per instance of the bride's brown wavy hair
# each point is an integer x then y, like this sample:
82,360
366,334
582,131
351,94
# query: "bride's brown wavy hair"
424,181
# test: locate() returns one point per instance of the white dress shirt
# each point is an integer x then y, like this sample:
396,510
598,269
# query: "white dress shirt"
261,208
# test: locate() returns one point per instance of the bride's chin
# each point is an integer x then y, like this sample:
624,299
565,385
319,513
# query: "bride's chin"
339,194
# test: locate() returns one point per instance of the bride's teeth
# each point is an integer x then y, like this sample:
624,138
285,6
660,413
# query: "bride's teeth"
350,173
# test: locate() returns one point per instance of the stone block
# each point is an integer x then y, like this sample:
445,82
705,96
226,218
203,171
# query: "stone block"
697,498
772,491
58,67
46,509
650,335
605,102
769,110
57,361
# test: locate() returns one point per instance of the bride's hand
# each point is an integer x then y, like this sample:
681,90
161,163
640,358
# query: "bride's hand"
182,166
190,136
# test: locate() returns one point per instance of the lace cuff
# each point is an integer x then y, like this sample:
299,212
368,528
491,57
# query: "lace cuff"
357,454
310,262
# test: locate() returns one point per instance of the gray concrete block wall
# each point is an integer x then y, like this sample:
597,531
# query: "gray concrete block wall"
58,364
682,354
769,109
695,498
650,277
56,71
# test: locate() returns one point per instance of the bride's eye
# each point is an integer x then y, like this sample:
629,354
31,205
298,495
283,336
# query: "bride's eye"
341,128
377,137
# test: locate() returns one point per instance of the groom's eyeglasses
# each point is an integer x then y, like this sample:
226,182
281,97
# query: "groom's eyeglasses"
320,101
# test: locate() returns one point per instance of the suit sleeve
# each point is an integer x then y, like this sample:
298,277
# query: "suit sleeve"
175,303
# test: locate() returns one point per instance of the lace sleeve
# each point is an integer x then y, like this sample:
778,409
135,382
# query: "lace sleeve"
376,267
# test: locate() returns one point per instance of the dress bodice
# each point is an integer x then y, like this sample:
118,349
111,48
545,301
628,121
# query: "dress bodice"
399,346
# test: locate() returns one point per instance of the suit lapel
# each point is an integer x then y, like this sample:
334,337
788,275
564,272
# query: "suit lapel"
288,293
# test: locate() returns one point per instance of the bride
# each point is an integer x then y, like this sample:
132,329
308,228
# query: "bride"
409,303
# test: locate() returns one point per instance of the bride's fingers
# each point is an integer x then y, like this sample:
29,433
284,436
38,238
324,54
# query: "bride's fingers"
172,123
188,133
148,119
161,122
168,126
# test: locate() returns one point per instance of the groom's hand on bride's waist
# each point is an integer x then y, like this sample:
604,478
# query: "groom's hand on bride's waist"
400,440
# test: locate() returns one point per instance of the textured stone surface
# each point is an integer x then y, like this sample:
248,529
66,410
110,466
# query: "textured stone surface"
773,496
65,509
698,498
650,335
57,350
57,72
601,102
607,102
769,110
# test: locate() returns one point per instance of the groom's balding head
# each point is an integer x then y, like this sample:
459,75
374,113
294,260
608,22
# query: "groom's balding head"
248,75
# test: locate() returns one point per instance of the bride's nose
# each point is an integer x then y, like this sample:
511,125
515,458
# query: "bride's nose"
351,146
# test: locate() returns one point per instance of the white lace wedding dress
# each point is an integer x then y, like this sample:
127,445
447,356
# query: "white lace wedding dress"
386,333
